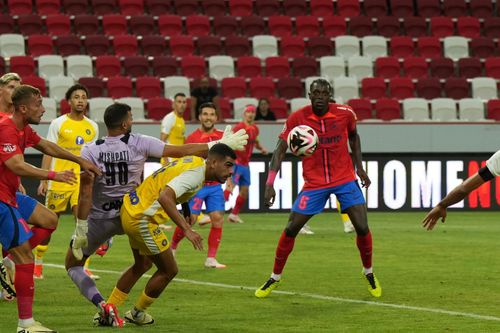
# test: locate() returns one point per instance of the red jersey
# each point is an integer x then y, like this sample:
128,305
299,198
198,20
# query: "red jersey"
12,142
199,136
3,114
243,157
330,165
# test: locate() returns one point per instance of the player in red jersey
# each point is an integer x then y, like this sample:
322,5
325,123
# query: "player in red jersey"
211,193
329,170
15,235
241,175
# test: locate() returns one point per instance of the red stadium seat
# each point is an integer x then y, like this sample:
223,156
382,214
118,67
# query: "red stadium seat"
277,67
233,87
261,87
319,46
493,109
36,82
304,67
481,8
125,45
292,46
334,26
241,7
428,87
455,8
387,109
307,26
361,26
492,27
249,66
75,7
158,107
58,25
136,66
103,7
181,45
388,26
362,107
22,65
114,24
48,7
321,8
415,26
225,108
373,87
468,27
96,45
197,25
119,86
290,87
6,24
159,7
429,8
442,68
402,46
169,25
107,66
402,8
456,88
30,24
294,8
86,25
280,26
492,67
348,8
225,26
252,25
279,106
95,85
429,47
237,46
209,45
482,47
442,26
266,8
142,25
153,45
68,45
401,88
186,7
164,66
387,67
148,87
40,44
214,7
469,68
375,8
20,7
415,67
131,7
64,107
193,66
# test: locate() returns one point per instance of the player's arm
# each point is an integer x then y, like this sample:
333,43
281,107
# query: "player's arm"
42,188
260,147
355,144
80,239
274,167
17,165
166,127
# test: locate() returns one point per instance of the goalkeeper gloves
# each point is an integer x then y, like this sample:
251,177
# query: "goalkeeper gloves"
236,141
80,238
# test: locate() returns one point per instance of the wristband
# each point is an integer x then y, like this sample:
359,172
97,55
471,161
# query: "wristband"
51,175
271,177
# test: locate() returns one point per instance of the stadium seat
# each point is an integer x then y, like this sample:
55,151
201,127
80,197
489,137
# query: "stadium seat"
415,67
252,26
104,7
50,66
137,106
50,106
181,46
360,26
237,46
387,109
58,85
442,68
158,107
469,67
6,24
97,106
359,67
58,24
294,8
169,25
387,67
11,45
482,47
429,8
348,8
131,7
148,87
373,87
186,7
193,66
468,27
125,45
334,26
264,46
279,107
388,26
280,26
249,66
136,66
456,88
266,8
415,26
197,25
471,109
345,88
277,67
221,67
68,45
321,8
114,24
214,8
153,45
455,8
332,67
158,7
209,45
36,82
290,87
22,65
292,46
225,26
481,8
241,7
455,47
492,27
429,47
443,109
441,26
86,24
79,66
298,103
415,109
240,103
304,67
30,24
401,88
96,45
402,8
174,85
428,87
40,44
142,25
493,109
233,87
402,46
20,7
374,46
119,86
362,107
492,67
75,7
374,8
319,46
226,108
261,87
307,26
107,66
95,86
347,46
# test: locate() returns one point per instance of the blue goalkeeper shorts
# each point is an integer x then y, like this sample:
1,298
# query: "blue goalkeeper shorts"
241,175
26,205
212,195
14,230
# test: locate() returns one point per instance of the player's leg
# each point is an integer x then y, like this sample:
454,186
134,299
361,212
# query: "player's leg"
244,184
215,209
195,206
236,181
346,221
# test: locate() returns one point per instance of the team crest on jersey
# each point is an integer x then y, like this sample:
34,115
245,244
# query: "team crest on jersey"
9,148
88,131
79,140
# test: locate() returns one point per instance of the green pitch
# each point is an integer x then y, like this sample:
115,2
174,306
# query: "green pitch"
446,280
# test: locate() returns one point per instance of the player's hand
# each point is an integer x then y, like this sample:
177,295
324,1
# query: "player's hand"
365,180
264,151
269,196
433,216
80,239
42,188
66,176
236,141
195,239
89,166
21,189
190,220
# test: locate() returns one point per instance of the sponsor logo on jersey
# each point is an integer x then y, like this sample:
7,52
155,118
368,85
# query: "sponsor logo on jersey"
79,140
112,205
88,131
9,148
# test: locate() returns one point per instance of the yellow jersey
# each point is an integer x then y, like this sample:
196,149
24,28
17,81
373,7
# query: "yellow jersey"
71,135
185,176
175,128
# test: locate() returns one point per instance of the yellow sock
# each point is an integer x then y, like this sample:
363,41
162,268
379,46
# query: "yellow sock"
87,263
345,218
117,297
40,252
144,302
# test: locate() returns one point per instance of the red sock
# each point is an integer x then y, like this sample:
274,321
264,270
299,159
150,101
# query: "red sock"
39,235
177,237
285,247
25,290
364,244
240,201
226,195
213,241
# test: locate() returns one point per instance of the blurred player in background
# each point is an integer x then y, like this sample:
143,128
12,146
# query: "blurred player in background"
70,131
173,127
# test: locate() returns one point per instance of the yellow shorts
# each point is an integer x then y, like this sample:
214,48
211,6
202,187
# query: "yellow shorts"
57,201
144,234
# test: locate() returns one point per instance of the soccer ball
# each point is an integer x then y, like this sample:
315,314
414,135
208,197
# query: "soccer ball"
302,140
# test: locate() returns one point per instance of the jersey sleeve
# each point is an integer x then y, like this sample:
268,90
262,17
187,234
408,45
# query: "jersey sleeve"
152,146
9,144
187,181
289,124
32,137
351,125
53,133
191,138
493,164
96,129
85,153
167,123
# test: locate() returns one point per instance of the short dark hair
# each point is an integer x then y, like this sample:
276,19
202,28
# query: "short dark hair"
115,114
221,150
75,87
207,105
22,93
322,82
179,94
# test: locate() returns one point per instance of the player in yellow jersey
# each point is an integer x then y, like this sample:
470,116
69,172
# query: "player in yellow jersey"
151,204
173,127
70,131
